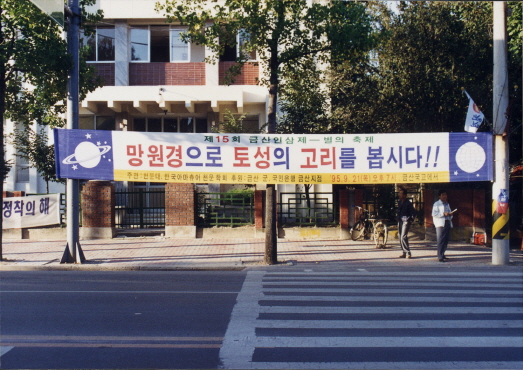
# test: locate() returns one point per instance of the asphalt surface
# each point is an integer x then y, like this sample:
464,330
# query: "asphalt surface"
115,319
326,305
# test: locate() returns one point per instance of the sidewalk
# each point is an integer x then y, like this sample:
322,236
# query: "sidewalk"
157,253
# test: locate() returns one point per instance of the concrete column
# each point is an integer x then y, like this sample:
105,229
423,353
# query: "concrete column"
211,70
121,50
500,221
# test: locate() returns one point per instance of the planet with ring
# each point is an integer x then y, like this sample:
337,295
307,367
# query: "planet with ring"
87,154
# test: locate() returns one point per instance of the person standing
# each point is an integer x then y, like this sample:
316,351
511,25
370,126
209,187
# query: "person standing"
441,216
405,216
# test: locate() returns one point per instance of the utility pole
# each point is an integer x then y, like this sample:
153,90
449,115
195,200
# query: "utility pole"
271,232
73,251
500,187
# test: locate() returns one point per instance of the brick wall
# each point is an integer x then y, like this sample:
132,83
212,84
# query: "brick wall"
470,205
429,197
106,71
147,74
344,208
16,193
358,201
179,204
98,204
249,75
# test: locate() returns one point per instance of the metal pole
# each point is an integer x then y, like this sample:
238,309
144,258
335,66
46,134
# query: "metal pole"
500,216
73,252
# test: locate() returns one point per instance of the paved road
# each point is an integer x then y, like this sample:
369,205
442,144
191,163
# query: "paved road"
291,317
132,319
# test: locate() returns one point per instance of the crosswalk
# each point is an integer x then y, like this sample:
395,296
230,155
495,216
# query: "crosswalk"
376,320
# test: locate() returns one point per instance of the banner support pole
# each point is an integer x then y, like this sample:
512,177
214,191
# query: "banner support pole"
73,251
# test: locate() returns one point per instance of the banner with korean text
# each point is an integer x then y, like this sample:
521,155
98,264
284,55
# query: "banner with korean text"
30,211
280,159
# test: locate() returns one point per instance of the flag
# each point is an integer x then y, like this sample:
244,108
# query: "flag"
474,116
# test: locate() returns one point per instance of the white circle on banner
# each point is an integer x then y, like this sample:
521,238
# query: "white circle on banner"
470,157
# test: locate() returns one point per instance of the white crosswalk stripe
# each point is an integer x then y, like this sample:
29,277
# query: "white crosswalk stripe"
405,291
384,320
381,310
386,324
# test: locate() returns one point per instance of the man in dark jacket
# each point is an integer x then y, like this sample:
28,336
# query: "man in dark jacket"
406,214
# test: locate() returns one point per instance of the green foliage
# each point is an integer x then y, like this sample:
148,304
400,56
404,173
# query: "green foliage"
33,52
33,69
6,167
34,64
432,49
515,39
34,146
240,196
304,103
233,125
285,34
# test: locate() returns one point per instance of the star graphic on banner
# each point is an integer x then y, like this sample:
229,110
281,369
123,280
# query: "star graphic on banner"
456,173
75,167
477,175
98,143
88,136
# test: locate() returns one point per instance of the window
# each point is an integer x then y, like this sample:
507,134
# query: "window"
158,44
22,169
140,44
232,53
101,44
179,49
182,124
106,123
250,123
243,41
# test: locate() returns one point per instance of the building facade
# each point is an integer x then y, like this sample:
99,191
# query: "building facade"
153,82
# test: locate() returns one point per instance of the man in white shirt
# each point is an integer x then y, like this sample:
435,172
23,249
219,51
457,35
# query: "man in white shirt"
442,216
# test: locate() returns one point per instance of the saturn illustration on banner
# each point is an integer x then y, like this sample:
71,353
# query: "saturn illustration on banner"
87,154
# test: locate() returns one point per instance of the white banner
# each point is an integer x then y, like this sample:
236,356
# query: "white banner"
279,159
31,211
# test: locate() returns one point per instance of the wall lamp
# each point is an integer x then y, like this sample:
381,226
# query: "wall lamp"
161,99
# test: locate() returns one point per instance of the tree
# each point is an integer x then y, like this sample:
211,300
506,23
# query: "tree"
285,34
515,34
233,124
33,68
34,146
430,51
304,102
